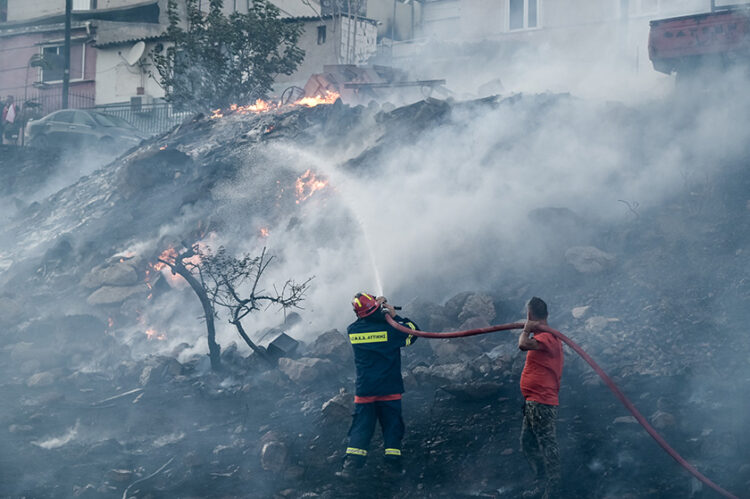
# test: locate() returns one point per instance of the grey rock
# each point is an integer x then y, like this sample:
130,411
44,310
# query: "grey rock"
161,370
338,408
306,369
662,420
331,345
117,274
579,312
112,295
478,305
589,259
455,304
625,420
273,456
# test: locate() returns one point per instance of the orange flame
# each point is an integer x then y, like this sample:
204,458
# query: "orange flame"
328,98
264,232
152,334
307,184
168,254
261,106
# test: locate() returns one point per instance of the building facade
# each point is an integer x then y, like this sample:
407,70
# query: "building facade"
538,45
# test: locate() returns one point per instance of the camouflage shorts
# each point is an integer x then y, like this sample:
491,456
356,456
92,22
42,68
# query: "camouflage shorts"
539,442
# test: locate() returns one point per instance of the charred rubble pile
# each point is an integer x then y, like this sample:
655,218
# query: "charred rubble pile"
89,415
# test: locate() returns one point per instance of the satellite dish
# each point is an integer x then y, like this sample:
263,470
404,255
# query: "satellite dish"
135,53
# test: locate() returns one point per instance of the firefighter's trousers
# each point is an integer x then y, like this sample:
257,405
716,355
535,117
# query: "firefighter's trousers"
363,427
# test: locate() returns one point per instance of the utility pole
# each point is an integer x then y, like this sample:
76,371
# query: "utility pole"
66,55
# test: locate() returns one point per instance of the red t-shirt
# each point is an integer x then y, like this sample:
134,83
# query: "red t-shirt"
540,380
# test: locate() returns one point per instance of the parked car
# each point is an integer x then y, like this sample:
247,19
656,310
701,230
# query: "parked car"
80,127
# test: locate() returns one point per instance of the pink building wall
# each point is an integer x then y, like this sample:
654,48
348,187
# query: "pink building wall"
17,78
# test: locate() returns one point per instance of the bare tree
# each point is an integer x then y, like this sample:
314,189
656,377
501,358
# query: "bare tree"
182,266
220,279
235,284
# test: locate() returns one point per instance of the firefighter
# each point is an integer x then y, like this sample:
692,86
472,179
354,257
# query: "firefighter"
377,358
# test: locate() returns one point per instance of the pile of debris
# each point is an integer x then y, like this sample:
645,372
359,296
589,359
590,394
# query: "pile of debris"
106,419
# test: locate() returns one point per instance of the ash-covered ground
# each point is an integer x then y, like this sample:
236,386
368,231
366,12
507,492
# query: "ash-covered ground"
630,221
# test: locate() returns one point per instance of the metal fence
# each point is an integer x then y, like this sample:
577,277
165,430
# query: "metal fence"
149,118
42,103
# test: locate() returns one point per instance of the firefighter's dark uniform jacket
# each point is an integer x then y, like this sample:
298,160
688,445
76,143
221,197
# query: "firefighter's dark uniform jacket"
377,354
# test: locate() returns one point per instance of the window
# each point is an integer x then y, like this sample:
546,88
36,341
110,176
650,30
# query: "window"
54,62
81,118
63,117
523,14
3,11
321,35
84,4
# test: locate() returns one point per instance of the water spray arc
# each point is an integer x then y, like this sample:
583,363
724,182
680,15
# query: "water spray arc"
607,380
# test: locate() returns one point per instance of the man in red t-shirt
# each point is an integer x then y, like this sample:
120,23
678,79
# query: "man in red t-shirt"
540,384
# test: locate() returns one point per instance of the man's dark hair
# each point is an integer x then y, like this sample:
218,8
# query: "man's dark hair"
538,308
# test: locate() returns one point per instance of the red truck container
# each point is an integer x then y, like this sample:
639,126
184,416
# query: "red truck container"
680,44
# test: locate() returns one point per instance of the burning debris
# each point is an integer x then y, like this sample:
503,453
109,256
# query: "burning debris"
308,184
261,106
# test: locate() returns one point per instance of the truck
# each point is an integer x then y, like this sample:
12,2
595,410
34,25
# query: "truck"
716,39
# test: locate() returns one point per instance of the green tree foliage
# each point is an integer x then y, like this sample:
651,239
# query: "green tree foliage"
213,60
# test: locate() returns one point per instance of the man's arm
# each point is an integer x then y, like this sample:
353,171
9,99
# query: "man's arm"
525,342
390,310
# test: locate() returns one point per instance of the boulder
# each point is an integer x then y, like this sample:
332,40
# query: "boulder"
589,259
662,420
117,274
579,312
273,453
455,304
478,305
331,345
160,370
306,369
338,408
113,295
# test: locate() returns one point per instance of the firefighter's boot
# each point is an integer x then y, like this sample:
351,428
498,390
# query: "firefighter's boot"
350,468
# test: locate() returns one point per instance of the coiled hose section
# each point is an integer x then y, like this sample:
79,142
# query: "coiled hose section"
607,380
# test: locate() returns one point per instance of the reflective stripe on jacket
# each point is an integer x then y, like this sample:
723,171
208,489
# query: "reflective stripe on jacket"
377,354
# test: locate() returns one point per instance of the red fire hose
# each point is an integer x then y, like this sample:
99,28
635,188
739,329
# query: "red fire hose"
618,393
